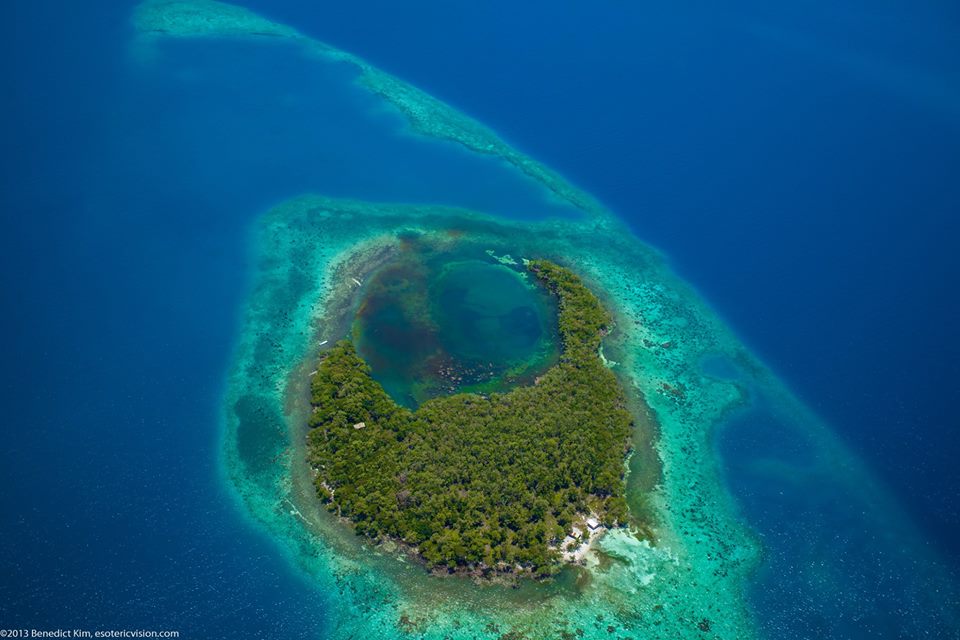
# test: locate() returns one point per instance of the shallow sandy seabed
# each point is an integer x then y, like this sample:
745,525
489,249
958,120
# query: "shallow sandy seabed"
691,583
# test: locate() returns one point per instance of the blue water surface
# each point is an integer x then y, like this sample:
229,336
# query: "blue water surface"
130,189
797,163
119,309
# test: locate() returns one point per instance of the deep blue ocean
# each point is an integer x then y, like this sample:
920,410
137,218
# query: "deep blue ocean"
800,165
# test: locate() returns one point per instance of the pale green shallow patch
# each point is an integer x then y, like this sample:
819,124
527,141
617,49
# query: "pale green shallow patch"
691,583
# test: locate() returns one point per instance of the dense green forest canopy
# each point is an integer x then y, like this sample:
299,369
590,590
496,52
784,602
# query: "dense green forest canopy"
472,482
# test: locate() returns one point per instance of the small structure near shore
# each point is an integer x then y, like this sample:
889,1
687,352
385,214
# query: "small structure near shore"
581,539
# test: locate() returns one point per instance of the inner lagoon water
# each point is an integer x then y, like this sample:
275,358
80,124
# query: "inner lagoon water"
802,177
433,325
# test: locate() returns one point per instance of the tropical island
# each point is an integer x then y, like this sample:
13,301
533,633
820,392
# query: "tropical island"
508,482
688,578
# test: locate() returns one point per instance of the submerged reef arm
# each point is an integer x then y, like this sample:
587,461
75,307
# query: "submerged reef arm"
473,483
203,18
426,114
